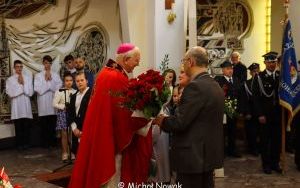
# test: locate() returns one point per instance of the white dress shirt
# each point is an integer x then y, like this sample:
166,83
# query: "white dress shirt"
20,96
228,79
60,99
79,97
71,70
45,92
271,73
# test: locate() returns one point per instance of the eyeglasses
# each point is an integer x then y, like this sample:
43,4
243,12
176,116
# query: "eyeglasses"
184,60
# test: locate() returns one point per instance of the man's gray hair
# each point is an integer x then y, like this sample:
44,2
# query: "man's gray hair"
236,53
200,55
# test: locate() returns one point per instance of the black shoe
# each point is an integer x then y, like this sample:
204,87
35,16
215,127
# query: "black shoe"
254,153
20,148
277,169
267,170
26,147
235,155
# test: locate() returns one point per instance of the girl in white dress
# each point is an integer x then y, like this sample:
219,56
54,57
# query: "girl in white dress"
60,101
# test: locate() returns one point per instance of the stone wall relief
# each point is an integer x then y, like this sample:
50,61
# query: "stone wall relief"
48,38
222,26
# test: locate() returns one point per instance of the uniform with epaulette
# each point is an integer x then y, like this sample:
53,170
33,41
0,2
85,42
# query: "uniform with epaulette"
247,109
232,89
266,106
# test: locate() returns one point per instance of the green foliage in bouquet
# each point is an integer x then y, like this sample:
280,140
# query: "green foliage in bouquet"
153,108
230,108
164,63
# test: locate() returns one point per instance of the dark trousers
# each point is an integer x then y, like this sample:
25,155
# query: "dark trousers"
230,133
270,141
252,131
296,123
22,129
75,144
48,124
201,180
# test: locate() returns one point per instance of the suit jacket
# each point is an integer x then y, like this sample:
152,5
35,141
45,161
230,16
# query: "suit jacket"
240,72
79,118
197,142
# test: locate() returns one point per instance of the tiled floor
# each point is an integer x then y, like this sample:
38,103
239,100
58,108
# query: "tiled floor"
243,172
22,166
246,172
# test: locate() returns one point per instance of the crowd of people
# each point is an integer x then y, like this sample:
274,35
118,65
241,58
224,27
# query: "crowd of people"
184,144
57,110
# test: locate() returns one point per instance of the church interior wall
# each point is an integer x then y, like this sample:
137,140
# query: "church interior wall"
278,13
150,30
254,43
170,38
103,14
71,23
227,26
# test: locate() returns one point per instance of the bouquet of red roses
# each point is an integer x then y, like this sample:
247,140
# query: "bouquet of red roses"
146,93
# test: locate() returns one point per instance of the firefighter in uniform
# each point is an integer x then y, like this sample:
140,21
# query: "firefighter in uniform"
266,106
251,120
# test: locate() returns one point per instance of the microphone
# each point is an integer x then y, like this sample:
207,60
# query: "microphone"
62,89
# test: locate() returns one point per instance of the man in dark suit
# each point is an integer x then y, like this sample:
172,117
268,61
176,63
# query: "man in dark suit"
80,66
239,69
267,108
197,142
251,121
78,106
232,91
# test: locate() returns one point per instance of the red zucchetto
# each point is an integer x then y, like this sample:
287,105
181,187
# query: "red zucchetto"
125,47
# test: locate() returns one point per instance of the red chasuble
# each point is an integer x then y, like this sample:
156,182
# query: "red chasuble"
108,130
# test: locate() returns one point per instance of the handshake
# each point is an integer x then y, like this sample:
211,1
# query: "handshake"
158,120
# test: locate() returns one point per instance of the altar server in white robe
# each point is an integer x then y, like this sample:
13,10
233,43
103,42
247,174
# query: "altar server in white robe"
19,88
45,84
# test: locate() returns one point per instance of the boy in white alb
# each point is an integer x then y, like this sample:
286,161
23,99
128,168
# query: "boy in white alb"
19,88
45,84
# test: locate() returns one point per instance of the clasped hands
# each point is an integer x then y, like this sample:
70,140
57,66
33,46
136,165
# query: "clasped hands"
48,76
21,79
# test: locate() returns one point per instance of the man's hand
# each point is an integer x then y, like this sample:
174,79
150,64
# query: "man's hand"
48,76
158,120
21,79
262,119
77,132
